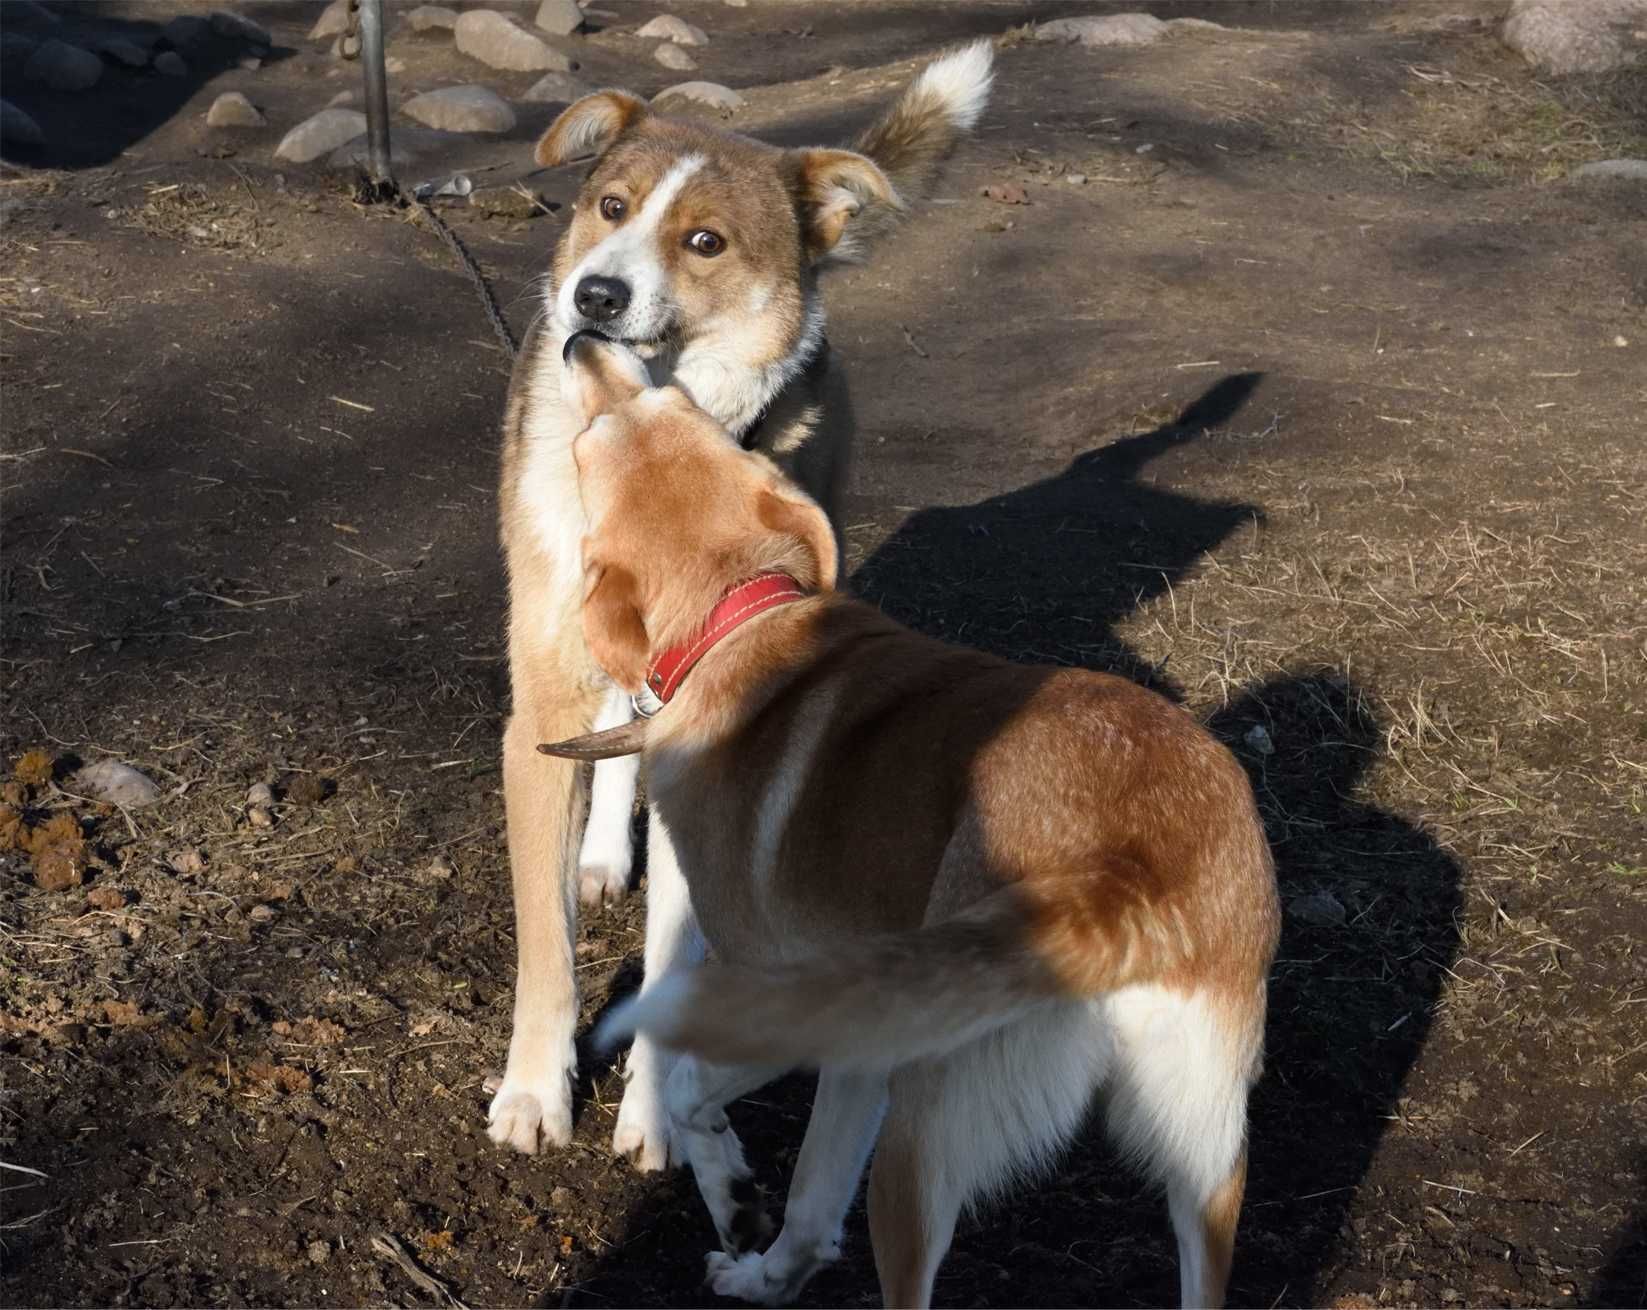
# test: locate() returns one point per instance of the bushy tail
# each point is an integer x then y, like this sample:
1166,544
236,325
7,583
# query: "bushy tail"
941,106
886,1001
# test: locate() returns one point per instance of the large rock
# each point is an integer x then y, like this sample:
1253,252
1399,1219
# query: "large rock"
431,18
1577,36
187,32
559,17
556,88
713,94
238,27
326,131
333,21
231,109
123,51
672,56
17,127
1110,29
461,109
407,146
497,41
666,27
171,64
28,13
63,67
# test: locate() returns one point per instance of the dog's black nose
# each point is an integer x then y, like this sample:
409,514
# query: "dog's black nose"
601,299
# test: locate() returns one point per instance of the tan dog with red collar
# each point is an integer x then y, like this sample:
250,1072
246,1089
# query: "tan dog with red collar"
972,893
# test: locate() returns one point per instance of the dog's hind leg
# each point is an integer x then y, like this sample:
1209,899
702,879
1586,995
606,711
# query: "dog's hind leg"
673,941
608,851
1178,1104
697,1096
845,1118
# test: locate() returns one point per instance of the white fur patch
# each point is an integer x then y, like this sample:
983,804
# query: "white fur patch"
961,81
716,372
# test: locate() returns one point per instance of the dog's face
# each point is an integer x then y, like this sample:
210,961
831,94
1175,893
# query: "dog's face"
681,233
677,513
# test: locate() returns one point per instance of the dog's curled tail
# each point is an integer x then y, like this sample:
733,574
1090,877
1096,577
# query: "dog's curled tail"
888,1000
941,106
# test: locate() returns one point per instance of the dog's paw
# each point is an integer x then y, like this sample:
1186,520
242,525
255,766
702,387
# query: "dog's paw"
642,1133
746,1278
524,1111
602,884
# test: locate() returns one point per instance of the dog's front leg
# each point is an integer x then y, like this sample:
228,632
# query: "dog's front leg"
672,942
543,804
608,840
846,1116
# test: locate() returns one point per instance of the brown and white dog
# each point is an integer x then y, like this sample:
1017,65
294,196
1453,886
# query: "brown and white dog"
974,894
701,249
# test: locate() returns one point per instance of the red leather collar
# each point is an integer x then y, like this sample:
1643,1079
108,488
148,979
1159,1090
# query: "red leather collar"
737,607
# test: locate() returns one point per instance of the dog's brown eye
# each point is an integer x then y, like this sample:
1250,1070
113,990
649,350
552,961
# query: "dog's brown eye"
707,243
612,209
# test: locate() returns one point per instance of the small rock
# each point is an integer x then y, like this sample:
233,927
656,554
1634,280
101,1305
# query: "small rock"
262,914
341,98
461,109
63,67
1258,738
666,27
1076,179
231,109
238,27
1006,193
187,861
259,817
712,94
427,18
1633,169
394,64
117,784
251,63
1621,341
497,41
327,130
171,64
1110,29
441,867
17,127
1566,36
187,32
559,17
737,4
346,46
123,51
1321,909
556,88
333,21
319,1252
260,793
672,56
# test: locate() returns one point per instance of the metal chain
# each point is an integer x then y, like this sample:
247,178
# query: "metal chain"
454,243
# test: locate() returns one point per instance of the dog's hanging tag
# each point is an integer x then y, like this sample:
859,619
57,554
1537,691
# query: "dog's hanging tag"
625,739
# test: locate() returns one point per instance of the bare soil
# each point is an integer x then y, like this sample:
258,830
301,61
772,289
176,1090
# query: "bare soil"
1318,405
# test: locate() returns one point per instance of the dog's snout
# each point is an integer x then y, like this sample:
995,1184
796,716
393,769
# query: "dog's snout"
601,299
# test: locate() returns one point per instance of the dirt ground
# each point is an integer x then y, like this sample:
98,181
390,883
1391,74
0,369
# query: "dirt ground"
1318,405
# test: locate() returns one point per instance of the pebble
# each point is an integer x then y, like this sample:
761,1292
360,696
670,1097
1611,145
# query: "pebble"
262,914
441,867
187,861
63,67
238,27
712,94
260,793
559,17
231,109
1633,169
672,56
171,64
17,127
666,27
117,784
315,136
461,109
427,18
259,817
251,63
341,98
333,21
1076,179
556,88
497,41
123,51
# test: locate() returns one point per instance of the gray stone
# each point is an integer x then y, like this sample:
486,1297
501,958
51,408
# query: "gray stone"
171,64
17,127
313,137
1634,170
1110,29
666,27
117,784
407,146
122,51
556,88
333,21
238,27
461,109
251,63
231,109
187,32
341,98
499,42
712,94
63,67
559,17
1577,36
427,18
672,56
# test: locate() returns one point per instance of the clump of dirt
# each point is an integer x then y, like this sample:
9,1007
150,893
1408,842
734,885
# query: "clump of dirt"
309,788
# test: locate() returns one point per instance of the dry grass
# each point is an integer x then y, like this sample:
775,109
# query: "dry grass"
188,212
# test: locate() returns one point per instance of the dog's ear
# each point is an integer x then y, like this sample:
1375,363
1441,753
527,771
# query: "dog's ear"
813,557
843,199
612,624
599,375
589,127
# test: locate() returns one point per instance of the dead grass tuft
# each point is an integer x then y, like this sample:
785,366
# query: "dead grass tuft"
188,212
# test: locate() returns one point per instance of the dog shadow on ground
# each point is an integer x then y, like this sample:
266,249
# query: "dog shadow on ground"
1043,574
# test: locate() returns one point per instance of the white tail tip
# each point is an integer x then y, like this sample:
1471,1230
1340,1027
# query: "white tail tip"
961,81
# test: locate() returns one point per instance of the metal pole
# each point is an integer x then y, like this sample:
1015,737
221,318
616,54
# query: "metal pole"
377,91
